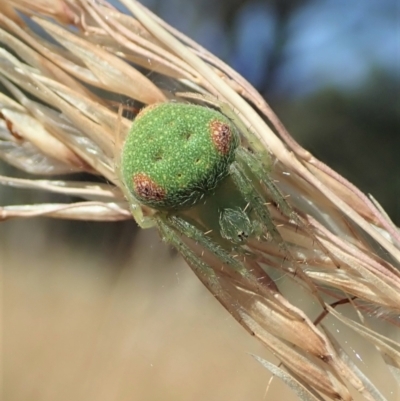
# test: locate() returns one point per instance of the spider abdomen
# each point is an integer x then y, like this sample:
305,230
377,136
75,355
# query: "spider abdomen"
175,154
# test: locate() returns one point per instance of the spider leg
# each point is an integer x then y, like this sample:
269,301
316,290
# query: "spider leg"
258,168
241,290
195,234
202,269
244,183
283,206
214,275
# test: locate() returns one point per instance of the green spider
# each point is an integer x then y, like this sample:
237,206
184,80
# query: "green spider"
186,171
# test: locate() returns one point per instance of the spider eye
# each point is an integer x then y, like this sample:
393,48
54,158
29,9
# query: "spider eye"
242,235
235,225
189,154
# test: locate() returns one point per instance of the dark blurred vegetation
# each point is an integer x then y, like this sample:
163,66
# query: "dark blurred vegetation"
356,133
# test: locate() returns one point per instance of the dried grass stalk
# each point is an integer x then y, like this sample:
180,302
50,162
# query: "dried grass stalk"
60,113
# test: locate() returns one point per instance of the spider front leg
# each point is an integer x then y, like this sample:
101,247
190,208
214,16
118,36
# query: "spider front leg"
243,175
261,172
252,195
202,269
206,243
241,170
257,168
213,265
235,288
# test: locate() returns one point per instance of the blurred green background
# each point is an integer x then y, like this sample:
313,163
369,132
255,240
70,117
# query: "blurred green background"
103,311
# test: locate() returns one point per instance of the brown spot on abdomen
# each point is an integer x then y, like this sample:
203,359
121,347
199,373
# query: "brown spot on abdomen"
147,189
221,136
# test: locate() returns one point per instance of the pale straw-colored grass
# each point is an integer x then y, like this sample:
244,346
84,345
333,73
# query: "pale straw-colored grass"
66,68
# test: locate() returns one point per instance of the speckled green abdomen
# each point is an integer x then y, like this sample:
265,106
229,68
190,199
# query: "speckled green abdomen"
175,154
